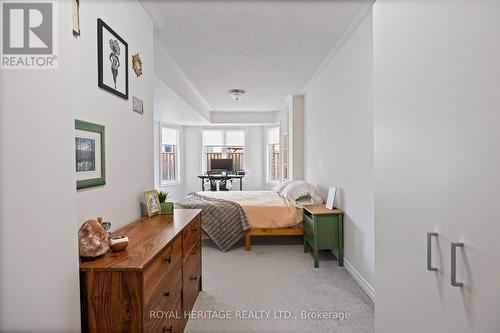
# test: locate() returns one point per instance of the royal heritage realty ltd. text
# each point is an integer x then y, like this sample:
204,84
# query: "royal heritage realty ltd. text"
251,315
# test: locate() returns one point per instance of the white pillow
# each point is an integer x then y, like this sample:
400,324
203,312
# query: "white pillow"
296,189
314,199
280,187
300,193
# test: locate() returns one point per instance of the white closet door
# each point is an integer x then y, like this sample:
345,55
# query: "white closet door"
474,159
437,164
410,165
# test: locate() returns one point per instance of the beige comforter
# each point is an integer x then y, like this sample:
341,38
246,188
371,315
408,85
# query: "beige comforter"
264,209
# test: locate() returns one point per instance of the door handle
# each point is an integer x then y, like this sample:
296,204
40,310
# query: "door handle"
429,251
454,282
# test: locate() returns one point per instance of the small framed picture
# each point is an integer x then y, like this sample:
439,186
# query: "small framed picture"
330,200
137,105
112,58
76,17
152,202
89,153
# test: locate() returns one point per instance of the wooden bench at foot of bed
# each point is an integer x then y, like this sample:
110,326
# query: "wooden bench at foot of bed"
270,232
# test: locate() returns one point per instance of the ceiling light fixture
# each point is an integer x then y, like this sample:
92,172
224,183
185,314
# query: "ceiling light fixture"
237,94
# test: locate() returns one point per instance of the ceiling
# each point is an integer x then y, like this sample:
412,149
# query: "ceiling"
269,48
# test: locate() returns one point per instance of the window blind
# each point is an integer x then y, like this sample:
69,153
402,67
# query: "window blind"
213,137
273,135
220,137
235,138
170,136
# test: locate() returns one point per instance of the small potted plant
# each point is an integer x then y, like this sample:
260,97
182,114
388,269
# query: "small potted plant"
167,208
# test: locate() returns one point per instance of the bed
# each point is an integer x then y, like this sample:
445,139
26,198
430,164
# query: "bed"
268,213
227,216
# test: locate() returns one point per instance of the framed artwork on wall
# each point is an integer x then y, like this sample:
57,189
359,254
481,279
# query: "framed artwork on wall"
90,166
112,59
76,17
137,64
152,202
137,105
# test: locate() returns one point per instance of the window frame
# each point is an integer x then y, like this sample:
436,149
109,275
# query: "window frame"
178,157
268,154
224,147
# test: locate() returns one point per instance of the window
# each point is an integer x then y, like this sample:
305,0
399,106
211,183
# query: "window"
169,155
224,143
273,154
284,157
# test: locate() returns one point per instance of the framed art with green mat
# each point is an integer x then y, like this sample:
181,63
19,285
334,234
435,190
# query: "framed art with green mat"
90,163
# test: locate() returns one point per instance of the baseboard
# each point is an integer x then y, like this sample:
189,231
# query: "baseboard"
360,280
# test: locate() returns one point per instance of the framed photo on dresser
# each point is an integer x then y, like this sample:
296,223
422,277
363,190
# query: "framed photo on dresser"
330,200
152,202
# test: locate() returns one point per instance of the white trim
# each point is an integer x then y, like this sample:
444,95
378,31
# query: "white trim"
290,137
360,280
266,150
340,43
179,163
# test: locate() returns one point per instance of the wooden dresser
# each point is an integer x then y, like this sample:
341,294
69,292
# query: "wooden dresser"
149,286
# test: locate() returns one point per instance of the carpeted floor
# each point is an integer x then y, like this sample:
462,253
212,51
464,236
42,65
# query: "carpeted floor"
277,276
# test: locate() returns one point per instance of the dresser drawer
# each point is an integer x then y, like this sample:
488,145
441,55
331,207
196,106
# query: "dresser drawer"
166,319
191,277
164,310
160,268
168,293
193,258
191,235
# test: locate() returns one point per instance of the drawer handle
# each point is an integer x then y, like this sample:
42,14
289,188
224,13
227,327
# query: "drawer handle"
166,294
167,330
194,230
429,251
193,252
168,259
454,282
194,278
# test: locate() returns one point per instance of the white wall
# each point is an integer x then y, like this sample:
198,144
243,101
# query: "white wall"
129,153
171,108
40,209
240,117
297,137
192,162
338,141
168,71
256,152
38,232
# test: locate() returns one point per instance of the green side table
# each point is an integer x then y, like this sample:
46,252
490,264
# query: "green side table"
323,230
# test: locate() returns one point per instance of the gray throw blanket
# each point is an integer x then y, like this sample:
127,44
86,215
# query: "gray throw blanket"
224,221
